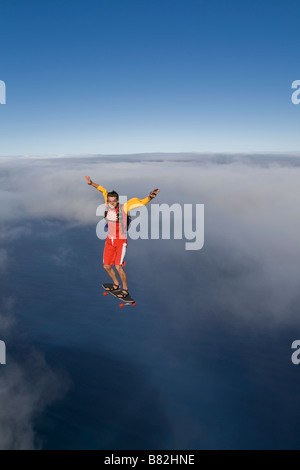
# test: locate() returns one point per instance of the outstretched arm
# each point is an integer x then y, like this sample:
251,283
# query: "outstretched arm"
135,202
97,186
90,182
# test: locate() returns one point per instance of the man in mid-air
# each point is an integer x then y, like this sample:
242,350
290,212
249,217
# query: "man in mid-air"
116,241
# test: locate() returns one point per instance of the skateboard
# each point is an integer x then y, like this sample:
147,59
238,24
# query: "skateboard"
123,302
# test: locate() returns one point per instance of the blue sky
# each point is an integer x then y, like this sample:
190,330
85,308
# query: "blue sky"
112,76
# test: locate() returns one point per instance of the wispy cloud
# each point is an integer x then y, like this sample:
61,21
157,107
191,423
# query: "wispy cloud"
7,318
27,383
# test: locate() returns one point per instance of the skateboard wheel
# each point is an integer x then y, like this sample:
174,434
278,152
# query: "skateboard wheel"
133,304
121,305
104,293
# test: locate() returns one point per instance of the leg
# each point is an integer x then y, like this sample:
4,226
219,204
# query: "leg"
110,271
122,275
121,246
108,259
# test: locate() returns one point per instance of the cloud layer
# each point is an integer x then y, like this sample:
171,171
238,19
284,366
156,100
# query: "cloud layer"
251,212
245,279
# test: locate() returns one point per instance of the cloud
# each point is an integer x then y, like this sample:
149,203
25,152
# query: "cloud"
251,213
27,383
63,257
7,318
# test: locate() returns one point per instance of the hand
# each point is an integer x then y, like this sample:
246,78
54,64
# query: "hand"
89,181
154,193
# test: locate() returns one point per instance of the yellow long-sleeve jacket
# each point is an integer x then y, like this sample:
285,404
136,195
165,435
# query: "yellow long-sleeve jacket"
131,204
116,224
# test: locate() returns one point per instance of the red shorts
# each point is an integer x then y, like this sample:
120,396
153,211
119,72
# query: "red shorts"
114,251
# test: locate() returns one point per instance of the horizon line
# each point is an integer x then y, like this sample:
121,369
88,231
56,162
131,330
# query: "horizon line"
210,153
